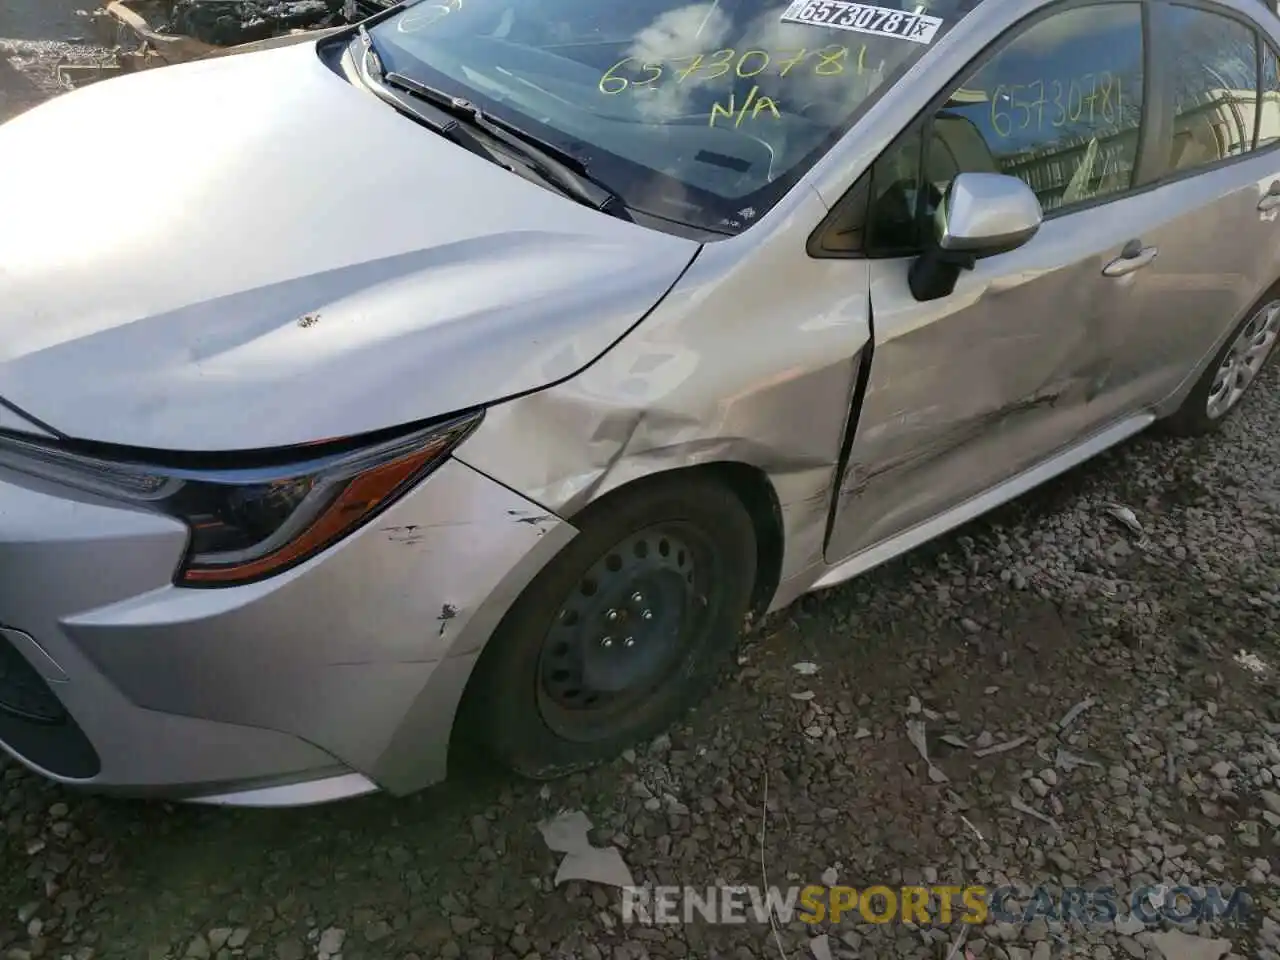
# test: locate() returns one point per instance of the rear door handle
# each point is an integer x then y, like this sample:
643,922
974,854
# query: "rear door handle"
1134,257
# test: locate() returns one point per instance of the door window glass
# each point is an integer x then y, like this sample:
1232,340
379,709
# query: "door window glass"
895,198
1269,102
1213,70
1058,107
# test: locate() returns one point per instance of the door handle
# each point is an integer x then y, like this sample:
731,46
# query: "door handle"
1271,199
1134,258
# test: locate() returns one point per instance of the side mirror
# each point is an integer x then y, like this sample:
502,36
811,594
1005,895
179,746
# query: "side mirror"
982,214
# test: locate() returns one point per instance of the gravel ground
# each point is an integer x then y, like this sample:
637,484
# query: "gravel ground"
994,634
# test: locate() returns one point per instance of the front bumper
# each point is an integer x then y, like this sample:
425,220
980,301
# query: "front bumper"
333,679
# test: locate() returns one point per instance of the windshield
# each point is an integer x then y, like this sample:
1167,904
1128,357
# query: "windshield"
703,114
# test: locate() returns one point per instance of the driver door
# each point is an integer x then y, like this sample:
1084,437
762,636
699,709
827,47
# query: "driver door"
972,389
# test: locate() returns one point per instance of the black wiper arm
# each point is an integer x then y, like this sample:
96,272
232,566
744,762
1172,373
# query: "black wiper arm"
467,110
562,167
375,78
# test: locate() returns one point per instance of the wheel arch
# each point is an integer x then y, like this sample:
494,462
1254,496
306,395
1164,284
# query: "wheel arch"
1171,404
425,747
747,485
752,488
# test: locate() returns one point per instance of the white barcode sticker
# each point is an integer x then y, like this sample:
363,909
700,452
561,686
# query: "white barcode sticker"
864,18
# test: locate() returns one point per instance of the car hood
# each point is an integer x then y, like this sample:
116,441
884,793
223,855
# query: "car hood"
249,252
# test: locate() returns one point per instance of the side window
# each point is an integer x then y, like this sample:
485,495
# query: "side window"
895,198
1058,106
1213,70
1269,100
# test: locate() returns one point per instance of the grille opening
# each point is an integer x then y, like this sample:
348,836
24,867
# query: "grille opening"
35,725
23,692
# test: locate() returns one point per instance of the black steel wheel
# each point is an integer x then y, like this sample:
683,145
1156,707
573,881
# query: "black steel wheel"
621,632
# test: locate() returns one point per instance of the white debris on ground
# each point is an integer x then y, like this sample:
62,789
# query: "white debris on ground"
1071,715
820,947
1176,945
567,833
1126,518
916,734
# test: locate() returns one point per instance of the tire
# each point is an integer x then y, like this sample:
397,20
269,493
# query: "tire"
530,705
1224,383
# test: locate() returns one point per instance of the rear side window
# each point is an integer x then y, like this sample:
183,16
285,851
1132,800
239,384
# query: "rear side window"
1269,100
1213,70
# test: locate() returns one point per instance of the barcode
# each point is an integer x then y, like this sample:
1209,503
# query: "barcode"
864,18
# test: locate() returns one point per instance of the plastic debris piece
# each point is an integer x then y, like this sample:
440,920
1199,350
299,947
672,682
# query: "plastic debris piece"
1176,945
805,668
1016,802
603,865
1126,518
1068,761
1001,747
958,945
567,833
1070,716
916,734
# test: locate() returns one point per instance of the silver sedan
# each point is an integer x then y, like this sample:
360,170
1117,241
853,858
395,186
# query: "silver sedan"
470,378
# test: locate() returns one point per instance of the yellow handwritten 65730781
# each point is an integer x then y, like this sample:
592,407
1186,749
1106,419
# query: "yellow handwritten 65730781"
634,72
1091,98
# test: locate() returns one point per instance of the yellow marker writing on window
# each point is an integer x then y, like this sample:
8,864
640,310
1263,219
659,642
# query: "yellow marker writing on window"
712,65
1090,99
734,112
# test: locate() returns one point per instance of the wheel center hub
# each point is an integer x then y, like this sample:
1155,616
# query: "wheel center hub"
637,634
621,633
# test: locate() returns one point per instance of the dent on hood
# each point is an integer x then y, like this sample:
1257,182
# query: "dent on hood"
341,352
319,265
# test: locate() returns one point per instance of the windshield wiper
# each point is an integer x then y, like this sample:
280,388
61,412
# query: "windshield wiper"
553,163
370,52
374,74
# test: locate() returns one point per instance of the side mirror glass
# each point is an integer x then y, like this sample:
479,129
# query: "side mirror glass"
982,214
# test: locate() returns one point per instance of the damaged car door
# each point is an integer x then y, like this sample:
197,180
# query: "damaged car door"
1213,214
973,388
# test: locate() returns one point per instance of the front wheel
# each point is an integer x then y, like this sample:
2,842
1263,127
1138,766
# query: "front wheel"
621,633
1224,384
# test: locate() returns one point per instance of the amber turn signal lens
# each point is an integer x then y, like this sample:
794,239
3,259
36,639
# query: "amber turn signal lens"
361,497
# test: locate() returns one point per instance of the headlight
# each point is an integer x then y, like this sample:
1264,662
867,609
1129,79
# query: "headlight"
247,524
